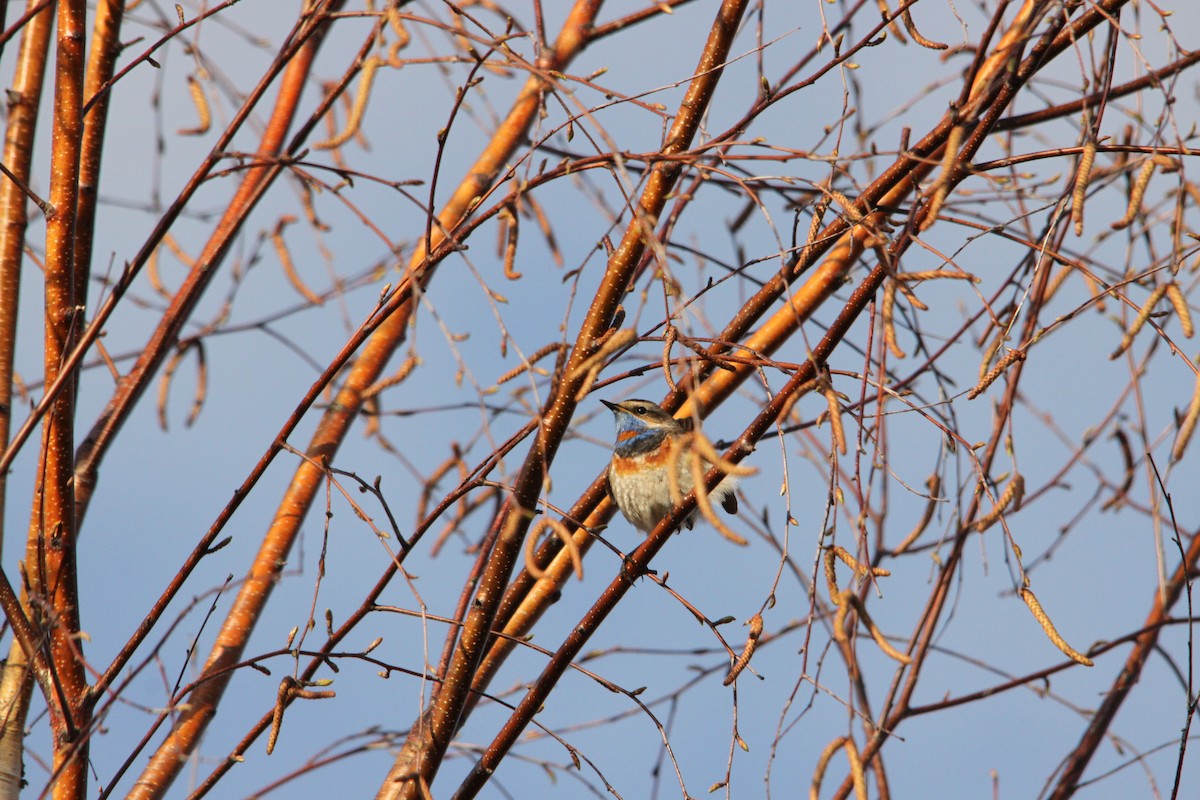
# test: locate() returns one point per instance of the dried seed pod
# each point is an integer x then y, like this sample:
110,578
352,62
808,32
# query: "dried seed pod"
743,660
564,535
1140,320
1082,176
203,112
1011,496
1136,194
934,484
1188,426
888,312
369,67
1010,358
1044,620
1179,303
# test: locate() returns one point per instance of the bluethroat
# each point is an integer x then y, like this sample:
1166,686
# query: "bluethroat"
650,445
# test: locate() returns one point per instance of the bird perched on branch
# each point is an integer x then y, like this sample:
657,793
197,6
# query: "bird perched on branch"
651,446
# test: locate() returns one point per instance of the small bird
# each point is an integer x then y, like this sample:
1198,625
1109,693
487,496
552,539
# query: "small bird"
650,442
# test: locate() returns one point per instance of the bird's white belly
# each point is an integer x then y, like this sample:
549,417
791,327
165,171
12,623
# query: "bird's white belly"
645,498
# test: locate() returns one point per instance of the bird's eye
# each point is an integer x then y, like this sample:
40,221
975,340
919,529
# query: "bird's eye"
639,410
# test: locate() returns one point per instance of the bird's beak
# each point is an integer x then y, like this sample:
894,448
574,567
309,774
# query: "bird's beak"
613,407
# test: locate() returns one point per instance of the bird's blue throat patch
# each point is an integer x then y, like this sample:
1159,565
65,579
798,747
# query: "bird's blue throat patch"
634,439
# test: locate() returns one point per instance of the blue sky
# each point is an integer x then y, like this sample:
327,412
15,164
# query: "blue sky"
1093,570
